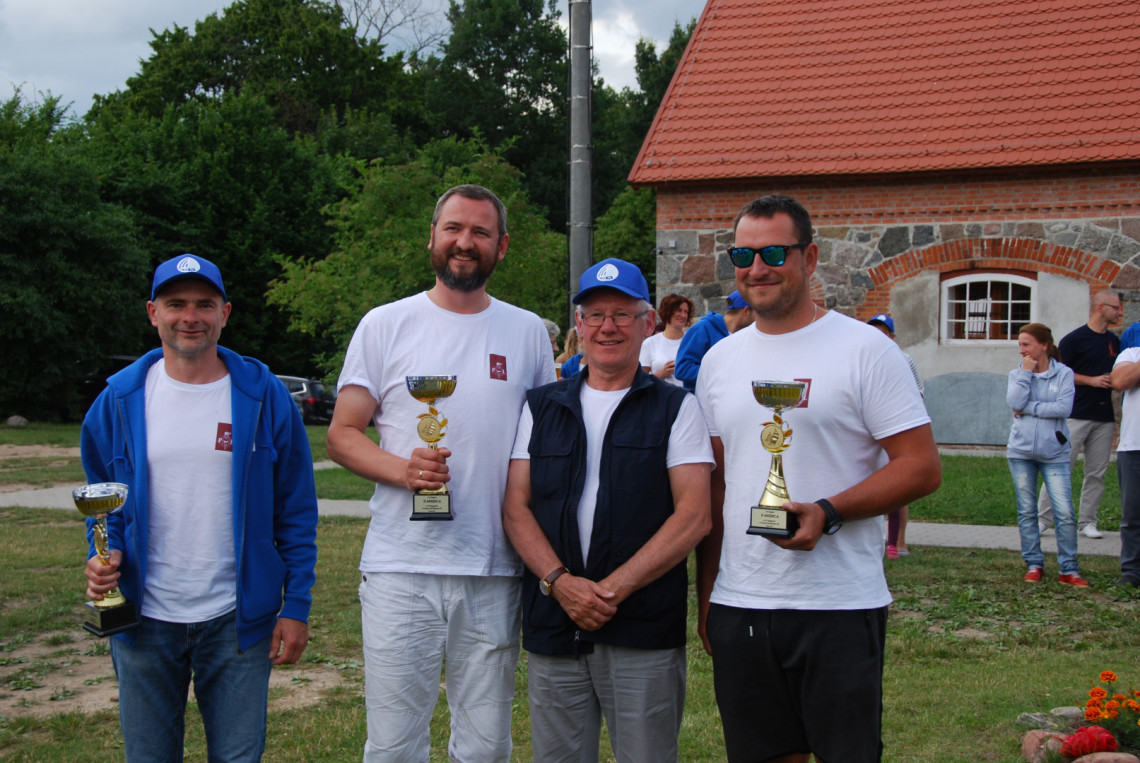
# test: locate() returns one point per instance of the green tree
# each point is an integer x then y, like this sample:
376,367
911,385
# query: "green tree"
381,246
629,230
72,273
504,77
654,73
298,55
222,180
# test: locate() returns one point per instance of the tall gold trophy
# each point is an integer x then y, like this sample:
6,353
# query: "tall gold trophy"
114,613
768,518
431,504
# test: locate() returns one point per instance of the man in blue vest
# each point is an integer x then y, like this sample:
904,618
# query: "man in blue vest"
607,492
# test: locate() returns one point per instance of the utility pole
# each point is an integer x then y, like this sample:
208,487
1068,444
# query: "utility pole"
580,222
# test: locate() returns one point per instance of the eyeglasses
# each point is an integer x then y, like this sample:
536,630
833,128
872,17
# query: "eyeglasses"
772,256
620,319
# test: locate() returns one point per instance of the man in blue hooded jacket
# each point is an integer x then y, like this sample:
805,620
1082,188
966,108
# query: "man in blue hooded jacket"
708,331
216,543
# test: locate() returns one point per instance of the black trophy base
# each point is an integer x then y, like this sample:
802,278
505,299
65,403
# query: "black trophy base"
431,507
108,621
773,523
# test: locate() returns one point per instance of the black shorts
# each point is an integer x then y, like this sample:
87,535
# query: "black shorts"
798,681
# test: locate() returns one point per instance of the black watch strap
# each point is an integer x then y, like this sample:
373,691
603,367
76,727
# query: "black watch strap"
832,521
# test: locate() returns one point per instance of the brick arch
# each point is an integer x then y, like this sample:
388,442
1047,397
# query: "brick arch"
1007,253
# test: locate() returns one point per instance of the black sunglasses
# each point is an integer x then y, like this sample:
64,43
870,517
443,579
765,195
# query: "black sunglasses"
772,256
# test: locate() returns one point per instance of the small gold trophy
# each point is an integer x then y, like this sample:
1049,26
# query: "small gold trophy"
114,613
431,504
769,518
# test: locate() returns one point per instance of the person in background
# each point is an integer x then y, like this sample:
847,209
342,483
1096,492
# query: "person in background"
553,330
1131,336
897,519
1040,393
1090,351
659,352
1126,379
708,331
572,360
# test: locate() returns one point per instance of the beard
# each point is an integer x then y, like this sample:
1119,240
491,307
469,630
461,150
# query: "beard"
440,263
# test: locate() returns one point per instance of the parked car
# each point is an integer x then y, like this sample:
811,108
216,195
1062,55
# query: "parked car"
313,399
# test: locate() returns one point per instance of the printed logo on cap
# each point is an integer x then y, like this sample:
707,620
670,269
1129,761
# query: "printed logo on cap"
608,272
188,265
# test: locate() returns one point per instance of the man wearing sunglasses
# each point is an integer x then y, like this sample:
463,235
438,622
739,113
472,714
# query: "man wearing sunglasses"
798,624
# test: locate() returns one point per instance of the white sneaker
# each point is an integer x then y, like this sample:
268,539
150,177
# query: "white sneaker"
1090,531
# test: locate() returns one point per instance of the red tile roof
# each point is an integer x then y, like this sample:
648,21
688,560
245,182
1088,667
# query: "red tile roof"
840,87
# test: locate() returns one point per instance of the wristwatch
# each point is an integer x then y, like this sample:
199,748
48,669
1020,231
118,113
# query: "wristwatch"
832,521
545,584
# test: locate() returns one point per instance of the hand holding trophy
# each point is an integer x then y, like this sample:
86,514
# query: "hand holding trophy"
431,504
113,614
769,518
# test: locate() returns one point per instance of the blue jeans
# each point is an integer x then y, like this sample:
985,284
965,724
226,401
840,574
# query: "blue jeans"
1128,472
1060,489
232,689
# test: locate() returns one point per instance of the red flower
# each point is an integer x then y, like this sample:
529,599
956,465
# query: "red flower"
1087,740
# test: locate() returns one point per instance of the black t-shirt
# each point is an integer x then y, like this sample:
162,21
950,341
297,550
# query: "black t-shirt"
1090,354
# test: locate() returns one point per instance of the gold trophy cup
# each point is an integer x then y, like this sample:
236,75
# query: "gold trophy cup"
769,518
114,613
431,504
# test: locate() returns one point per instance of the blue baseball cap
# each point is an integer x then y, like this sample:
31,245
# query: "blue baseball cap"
186,266
884,319
736,302
613,273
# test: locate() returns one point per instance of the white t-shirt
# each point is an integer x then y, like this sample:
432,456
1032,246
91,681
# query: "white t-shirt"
860,390
191,575
1129,406
688,444
497,355
658,350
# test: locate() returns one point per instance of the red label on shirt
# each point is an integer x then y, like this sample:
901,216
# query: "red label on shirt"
499,367
807,392
225,439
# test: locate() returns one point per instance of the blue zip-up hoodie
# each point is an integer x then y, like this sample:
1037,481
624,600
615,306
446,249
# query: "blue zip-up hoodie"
1045,401
275,500
694,344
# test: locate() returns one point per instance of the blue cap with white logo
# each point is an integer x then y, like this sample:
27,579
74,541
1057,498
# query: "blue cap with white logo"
736,302
613,273
884,319
186,266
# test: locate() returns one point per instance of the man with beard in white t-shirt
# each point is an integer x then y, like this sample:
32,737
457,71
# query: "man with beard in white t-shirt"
796,625
432,590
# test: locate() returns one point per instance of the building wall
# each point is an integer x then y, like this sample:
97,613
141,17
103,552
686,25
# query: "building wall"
887,244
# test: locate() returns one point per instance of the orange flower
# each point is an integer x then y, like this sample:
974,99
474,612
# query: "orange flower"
1098,704
1107,676
1111,705
1119,697
1133,705
1092,713
1098,692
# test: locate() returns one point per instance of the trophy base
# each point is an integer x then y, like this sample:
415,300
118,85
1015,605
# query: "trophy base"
773,523
431,507
107,621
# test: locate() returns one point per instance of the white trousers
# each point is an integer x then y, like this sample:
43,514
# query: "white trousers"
411,624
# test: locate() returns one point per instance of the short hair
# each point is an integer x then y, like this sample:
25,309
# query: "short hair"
478,193
1044,335
642,305
671,304
551,327
768,206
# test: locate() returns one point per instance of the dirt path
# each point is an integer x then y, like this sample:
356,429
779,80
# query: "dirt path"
45,677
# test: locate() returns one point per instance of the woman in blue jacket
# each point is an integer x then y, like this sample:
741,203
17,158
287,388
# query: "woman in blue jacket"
1040,392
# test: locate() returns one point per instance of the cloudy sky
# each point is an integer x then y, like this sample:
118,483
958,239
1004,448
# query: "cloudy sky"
75,49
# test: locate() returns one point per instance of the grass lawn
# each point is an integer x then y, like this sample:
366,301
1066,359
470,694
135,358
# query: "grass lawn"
969,646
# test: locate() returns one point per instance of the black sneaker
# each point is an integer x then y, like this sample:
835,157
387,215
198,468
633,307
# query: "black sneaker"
1127,580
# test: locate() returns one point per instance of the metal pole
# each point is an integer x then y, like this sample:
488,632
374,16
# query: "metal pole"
580,221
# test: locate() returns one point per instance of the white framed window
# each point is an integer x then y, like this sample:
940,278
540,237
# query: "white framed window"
986,307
